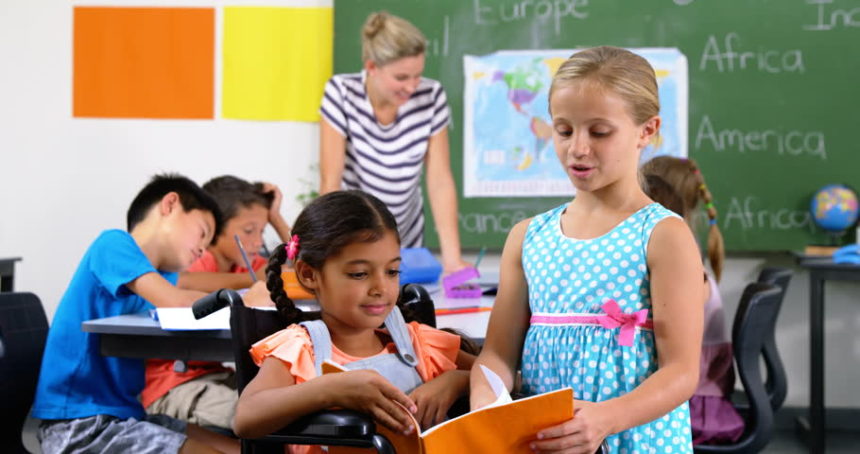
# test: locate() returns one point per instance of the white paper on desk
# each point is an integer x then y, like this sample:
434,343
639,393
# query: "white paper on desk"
181,318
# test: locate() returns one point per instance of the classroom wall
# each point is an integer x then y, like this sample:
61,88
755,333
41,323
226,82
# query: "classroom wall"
63,180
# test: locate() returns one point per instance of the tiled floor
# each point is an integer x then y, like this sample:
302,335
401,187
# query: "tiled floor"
785,442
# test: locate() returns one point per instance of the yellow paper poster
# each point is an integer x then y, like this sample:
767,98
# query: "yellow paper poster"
276,62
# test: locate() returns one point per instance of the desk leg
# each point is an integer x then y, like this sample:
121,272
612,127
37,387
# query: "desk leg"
816,363
7,284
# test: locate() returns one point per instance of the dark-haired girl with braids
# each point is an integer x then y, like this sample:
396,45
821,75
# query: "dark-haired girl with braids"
346,251
713,418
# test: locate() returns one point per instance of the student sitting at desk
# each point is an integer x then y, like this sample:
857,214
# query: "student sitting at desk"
346,250
247,209
204,392
88,402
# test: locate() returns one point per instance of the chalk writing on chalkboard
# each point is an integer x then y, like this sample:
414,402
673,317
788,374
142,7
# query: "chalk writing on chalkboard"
772,98
491,13
828,18
726,55
492,222
748,213
788,143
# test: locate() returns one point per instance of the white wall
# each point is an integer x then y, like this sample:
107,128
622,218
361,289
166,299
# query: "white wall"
64,179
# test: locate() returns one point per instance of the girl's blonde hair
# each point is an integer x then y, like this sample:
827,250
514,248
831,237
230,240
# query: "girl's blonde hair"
684,176
624,73
386,38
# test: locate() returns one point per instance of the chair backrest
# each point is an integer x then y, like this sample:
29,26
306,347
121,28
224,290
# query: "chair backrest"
23,331
777,380
416,300
755,321
248,325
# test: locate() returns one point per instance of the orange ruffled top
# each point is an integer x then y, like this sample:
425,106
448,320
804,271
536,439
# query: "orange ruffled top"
160,376
436,350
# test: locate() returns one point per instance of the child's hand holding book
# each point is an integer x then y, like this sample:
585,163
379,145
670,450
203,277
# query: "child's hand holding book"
369,392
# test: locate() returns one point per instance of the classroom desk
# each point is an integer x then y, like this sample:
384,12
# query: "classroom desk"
821,269
7,273
140,336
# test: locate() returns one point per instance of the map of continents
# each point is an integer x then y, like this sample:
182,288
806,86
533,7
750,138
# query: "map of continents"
508,138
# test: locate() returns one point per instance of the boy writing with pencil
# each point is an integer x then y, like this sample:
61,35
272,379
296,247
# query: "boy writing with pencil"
88,402
203,392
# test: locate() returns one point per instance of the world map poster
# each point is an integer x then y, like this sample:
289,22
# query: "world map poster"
508,149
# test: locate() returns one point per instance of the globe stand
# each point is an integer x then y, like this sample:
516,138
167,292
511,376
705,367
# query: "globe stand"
836,237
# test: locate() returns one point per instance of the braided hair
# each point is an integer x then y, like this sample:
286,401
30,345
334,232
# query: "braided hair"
689,183
327,225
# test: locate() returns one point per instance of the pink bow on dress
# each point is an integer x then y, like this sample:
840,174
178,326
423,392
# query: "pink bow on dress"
628,322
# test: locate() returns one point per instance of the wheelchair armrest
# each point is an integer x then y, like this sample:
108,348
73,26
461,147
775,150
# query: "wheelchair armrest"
330,423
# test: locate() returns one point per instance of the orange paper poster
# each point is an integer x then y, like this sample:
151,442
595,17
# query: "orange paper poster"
144,62
276,62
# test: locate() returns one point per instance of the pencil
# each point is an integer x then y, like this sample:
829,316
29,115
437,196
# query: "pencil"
245,258
480,256
462,310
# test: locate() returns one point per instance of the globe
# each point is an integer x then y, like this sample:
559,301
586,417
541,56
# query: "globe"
834,208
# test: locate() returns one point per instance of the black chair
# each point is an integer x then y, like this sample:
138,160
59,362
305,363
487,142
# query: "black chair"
328,427
777,381
23,331
754,322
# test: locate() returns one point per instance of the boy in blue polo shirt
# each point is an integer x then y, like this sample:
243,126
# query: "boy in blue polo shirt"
88,402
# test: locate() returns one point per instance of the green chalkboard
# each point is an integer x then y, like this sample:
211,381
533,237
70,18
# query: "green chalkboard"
774,89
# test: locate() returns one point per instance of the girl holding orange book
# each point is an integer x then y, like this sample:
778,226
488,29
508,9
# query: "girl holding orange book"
602,294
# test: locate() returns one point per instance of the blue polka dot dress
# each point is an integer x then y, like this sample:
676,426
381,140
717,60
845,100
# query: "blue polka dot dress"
589,300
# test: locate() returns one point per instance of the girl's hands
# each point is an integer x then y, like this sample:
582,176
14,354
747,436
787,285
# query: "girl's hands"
369,392
583,434
435,397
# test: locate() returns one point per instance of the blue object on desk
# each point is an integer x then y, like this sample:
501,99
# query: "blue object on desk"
418,266
847,254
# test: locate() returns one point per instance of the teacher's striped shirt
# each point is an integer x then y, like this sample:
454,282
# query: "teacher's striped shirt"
387,160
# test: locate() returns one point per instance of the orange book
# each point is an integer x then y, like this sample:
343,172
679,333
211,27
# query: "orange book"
505,426
294,290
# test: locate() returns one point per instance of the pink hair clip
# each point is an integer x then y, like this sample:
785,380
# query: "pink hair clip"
293,247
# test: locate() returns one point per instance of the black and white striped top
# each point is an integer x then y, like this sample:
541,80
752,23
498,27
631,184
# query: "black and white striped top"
387,160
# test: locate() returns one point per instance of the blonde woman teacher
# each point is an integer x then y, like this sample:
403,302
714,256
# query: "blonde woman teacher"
382,126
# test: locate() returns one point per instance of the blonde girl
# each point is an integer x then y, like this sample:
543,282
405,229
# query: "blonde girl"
602,293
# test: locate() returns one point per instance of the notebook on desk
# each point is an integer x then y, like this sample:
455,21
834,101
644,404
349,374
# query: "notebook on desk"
181,318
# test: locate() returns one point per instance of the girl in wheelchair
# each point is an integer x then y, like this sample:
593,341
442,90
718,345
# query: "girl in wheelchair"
345,249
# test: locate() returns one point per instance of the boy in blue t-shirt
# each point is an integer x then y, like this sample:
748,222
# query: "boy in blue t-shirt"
88,402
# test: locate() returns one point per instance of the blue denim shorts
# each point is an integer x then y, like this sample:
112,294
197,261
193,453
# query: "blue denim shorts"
108,434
